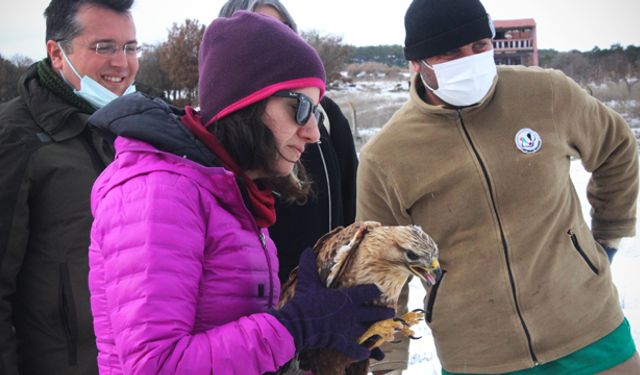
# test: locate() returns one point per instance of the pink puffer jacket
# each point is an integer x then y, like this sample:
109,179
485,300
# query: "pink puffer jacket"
180,273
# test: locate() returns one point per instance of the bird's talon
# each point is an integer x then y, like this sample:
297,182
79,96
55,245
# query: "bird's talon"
414,338
371,341
404,323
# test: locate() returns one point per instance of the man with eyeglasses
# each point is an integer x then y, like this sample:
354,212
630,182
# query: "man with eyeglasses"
49,159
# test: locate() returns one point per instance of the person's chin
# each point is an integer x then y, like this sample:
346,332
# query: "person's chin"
285,170
290,161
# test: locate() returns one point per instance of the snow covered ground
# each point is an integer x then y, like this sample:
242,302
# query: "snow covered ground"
423,359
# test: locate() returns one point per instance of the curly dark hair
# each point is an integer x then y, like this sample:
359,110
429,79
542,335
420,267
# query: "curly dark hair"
61,16
252,146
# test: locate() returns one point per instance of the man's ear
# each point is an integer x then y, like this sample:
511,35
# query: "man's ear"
55,54
414,65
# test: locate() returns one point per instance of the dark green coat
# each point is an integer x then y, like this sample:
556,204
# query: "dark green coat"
48,163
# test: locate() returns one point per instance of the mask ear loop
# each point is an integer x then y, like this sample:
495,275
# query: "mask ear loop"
64,55
422,78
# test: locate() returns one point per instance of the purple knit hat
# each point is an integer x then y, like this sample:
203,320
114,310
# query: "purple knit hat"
247,58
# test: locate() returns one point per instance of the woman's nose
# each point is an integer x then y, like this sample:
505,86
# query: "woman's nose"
311,130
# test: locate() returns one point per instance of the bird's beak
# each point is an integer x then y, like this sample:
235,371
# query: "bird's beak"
430,274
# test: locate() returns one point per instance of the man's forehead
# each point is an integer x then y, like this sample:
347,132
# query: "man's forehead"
100,24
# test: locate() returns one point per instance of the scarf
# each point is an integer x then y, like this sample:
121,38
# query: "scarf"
53,82
260,200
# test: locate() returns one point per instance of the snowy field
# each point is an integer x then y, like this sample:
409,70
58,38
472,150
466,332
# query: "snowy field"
423,359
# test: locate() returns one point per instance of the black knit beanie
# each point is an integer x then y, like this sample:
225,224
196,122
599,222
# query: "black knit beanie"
434,27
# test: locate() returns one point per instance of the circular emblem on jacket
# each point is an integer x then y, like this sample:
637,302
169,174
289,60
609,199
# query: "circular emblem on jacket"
528,141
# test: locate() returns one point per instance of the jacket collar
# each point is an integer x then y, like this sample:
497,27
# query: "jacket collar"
151,120
58,119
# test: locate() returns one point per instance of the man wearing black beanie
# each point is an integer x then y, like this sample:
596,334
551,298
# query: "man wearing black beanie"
479,156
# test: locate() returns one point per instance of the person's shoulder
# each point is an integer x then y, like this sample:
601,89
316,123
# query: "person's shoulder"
407,113
383,141
13,109
20,137
138,164
328,103
397,130
16,122
135,157
149,90
532,78
336,116
520,72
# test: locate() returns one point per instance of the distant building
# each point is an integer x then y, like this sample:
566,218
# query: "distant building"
516,42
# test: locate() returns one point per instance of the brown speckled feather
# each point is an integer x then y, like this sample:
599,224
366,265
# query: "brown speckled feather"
365,253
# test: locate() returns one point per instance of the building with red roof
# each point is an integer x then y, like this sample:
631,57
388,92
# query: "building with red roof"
515,42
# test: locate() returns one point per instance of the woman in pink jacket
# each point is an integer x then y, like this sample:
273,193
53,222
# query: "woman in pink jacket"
183,275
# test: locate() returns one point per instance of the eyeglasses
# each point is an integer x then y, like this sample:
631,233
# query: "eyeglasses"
304,106
111,48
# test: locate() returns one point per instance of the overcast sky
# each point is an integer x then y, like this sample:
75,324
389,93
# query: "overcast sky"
562,24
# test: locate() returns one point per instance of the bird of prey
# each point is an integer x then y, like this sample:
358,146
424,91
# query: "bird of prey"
368,253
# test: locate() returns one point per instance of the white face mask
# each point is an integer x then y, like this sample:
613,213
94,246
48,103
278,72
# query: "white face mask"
464,81
90,90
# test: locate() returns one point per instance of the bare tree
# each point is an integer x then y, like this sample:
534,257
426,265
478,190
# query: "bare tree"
574,64
150,73
7,80
21,62
620,68
179,58
10,72
333,53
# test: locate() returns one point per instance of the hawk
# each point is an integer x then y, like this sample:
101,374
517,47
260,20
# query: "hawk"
368,253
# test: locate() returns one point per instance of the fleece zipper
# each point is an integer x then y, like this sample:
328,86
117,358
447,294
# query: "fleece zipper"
505,246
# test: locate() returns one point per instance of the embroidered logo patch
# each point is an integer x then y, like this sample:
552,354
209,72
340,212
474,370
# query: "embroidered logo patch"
528,141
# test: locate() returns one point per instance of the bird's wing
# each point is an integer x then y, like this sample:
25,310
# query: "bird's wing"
332,253
288,288
337,249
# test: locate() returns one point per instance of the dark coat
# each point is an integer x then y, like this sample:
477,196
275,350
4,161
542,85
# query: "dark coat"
48,163
332,166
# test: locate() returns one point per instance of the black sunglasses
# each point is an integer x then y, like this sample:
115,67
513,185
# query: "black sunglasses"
304,106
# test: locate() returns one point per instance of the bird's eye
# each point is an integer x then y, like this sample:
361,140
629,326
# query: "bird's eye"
412,256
